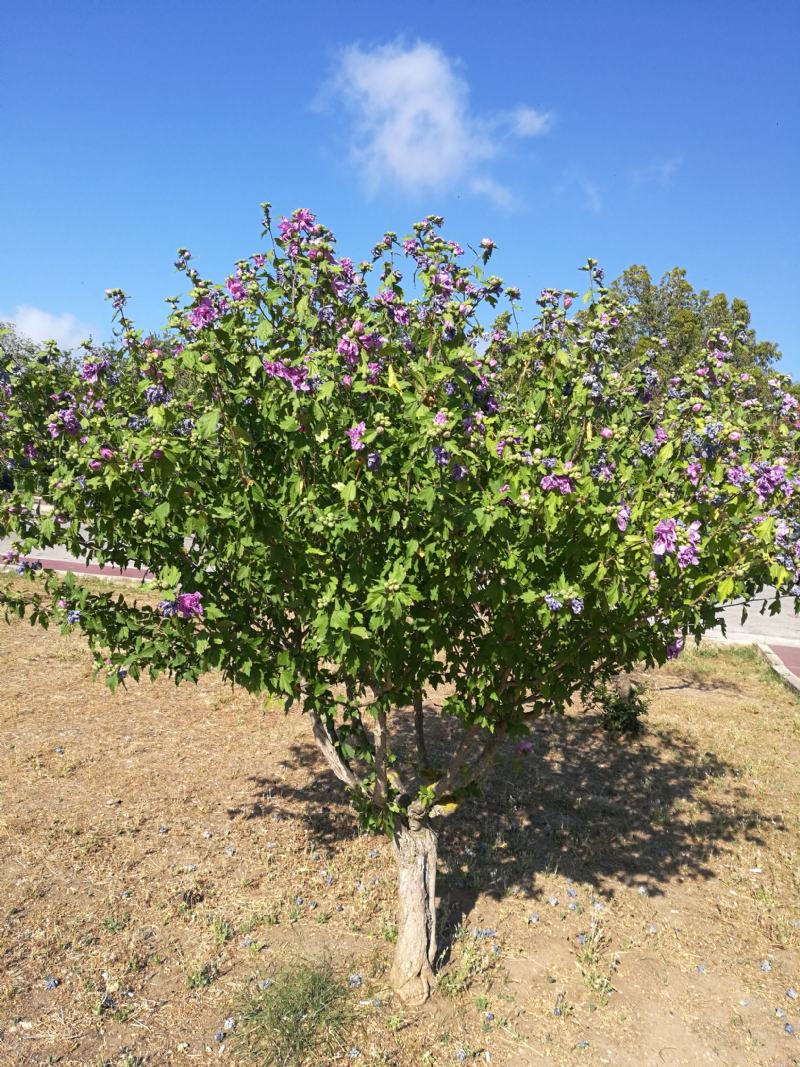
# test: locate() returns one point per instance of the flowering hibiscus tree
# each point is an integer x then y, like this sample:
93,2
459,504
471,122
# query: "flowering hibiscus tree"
353,496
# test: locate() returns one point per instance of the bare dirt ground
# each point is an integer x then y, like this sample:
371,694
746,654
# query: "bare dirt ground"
608,902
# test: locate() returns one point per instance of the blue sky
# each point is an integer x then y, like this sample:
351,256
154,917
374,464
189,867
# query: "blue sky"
663,134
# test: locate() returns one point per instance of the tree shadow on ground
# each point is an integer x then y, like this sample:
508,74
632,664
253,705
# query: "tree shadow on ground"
596,809
317,799
592,807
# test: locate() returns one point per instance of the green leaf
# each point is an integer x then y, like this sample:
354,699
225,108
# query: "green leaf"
206,425
725,589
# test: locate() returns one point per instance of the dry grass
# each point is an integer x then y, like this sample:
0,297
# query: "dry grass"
162,850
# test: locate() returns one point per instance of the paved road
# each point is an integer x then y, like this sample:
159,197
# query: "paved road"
783,629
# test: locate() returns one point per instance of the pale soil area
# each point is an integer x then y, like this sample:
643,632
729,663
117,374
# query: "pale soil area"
638,902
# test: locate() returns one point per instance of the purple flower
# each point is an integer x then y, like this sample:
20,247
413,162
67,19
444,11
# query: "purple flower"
374,461
297,377
577,605
675,648
348,348
666,540
457,472
203,314
95,465
660,436
106,453
440,418
623,518
441,457
687,556
156,394
236,288
91,370
736,475
556,481
355,433
188,604
73,617
552,602
694,470
167,608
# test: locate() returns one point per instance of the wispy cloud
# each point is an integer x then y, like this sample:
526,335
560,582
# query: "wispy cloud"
412,125
592,196
579,188
39,325
528,122
494,191
660,173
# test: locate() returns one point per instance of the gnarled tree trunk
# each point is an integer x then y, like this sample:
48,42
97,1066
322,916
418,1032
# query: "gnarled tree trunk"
412,974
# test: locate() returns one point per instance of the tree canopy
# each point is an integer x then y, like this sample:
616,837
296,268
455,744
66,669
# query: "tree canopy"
360,495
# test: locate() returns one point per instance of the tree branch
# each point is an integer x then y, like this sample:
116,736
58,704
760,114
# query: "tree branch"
333,758
446,784
381,758
419,729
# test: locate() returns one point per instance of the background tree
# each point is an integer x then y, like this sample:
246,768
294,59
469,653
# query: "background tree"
673,310
358,499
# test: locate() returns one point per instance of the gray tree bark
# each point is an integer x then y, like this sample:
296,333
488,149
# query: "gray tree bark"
412,975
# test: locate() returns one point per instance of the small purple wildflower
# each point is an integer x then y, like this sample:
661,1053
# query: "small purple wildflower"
374,462
552,602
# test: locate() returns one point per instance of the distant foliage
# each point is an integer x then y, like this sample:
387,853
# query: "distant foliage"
673,319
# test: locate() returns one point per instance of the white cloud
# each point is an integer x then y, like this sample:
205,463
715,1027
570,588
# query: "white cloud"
412,122
528,122
39,325
660,173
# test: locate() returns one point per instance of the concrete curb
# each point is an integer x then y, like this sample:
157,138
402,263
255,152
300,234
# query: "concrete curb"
772,658
779,667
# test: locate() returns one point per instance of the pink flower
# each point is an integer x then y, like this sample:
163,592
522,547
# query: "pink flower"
106,453
440,418
567,303
734,436
696,408
95,465
606,433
